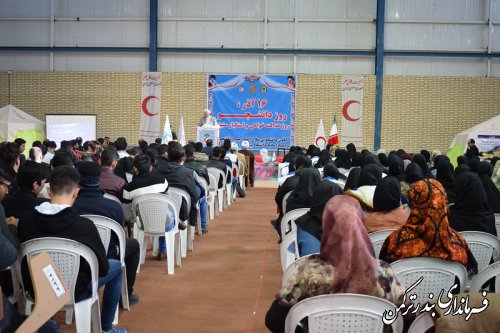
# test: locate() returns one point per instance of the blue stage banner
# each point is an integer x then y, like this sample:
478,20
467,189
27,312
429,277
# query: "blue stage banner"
256,108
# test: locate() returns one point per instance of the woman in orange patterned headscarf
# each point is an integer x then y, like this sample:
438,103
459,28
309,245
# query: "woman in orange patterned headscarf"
427,232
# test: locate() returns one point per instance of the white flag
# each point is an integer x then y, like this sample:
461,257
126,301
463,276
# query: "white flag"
167,131
320,140
150,106
181,136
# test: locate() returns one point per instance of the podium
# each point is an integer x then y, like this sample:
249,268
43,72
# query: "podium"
208,132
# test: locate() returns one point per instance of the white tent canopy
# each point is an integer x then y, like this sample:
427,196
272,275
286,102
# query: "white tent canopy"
486,135
15,123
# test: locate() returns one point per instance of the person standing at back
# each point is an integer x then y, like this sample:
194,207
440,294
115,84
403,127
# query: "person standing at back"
472,149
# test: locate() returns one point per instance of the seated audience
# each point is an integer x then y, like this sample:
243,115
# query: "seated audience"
51,149
170,165
471,210
302,194
125,169
198,153
251,168
345,264
10,158
201,171
342,160
21,143
215,162
331,173
35,154
444,175
309,226
207,150
427,232
422,163
368,179
485,172
121,147
30,182
58,219
388,211
91,201
110,182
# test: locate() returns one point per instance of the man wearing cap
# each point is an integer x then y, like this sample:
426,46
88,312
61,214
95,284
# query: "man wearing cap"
207,119
244,150
91,201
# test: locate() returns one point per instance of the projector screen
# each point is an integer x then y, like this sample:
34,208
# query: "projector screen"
68,127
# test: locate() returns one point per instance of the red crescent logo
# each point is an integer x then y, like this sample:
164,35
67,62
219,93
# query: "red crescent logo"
344,110
145,106
319,138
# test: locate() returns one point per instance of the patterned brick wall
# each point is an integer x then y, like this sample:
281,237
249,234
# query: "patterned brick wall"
418,112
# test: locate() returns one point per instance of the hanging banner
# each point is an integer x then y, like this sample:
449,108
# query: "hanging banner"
257,108
150,106
352,110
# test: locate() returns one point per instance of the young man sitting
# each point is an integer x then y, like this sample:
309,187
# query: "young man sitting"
58,219
91,200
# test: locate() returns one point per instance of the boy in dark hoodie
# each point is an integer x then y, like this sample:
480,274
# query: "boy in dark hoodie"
58,219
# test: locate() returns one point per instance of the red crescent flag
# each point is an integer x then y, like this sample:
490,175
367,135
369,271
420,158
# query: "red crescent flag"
320,140
334,136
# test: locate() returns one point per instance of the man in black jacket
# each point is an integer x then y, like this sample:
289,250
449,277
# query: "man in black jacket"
58,219
30,181
170,165
472,149
201,171
215,162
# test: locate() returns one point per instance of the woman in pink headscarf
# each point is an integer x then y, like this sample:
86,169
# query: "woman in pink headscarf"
345,264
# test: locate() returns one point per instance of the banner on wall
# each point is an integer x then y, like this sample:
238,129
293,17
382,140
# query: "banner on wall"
150,106
257,108
352,110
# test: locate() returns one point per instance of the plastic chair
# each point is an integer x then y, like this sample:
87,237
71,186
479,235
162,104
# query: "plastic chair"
497,224
437,275
292,267
127,211
288,220
484,246
286,256
51,292
421,324
212,203
241,175
187,235
342,313
203,183
152,216
378,238
484,276
105,226
218,174
283,203
67,254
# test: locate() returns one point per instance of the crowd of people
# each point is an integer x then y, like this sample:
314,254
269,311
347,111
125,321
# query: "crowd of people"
48,192
349,194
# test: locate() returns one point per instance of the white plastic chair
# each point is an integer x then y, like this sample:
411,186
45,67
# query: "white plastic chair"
283,202
127,211
212,203
342,313
286,256
152,216
292,267
106,226
241,174
437,275
288,220
203,183
497,224
378,238
484,275
230,190
187,235
220,191
421,324
484,246
66,254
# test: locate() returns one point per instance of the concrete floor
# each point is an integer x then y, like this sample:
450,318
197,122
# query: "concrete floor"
225,285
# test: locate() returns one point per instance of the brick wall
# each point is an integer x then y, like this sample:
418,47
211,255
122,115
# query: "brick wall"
418,112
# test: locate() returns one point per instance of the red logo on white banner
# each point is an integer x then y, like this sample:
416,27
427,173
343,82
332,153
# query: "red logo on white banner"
345,110
145,106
